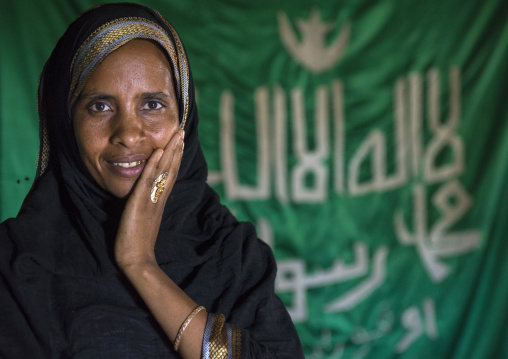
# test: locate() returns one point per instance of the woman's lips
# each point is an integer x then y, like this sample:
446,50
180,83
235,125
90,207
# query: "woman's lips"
127,168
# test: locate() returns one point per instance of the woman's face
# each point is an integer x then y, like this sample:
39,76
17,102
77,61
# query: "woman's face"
126,110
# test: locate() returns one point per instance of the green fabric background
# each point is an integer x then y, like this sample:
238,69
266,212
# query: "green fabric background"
435,70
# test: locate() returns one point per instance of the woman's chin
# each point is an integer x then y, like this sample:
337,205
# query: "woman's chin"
124,194
122,191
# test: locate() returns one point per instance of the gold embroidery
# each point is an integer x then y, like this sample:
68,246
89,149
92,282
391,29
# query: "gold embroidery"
218,338
44,155
237,343
183,66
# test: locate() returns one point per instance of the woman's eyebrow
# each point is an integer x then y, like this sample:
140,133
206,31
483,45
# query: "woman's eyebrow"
158,94
95,95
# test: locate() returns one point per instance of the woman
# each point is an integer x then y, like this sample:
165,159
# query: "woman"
121,250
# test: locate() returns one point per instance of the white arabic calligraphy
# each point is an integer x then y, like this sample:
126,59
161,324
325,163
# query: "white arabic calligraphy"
412,321
292,278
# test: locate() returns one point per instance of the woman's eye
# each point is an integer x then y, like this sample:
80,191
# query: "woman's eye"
152,105
99,107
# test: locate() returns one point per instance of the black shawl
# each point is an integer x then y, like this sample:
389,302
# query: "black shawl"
61,293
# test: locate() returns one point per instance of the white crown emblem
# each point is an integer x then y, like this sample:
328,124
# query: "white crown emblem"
312,51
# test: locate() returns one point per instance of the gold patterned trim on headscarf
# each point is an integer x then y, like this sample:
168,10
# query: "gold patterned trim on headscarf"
114,34
184,67
43,156
105,40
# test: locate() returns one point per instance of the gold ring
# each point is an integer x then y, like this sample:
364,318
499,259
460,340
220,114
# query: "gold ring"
158,187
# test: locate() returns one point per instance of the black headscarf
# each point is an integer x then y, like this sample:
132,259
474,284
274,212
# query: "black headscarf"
62,294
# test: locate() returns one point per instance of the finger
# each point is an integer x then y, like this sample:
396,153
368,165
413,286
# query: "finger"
174,166
150,171
170,162
173,147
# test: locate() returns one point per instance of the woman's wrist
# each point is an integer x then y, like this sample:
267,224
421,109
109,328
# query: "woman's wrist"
138,266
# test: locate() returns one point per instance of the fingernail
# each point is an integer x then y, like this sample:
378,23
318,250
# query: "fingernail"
182,134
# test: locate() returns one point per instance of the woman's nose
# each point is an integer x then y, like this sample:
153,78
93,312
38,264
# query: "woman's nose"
128,128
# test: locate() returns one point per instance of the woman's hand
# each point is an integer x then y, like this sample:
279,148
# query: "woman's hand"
134,251
141,218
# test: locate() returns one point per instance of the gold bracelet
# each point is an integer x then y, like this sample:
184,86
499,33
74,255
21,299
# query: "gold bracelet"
185,324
